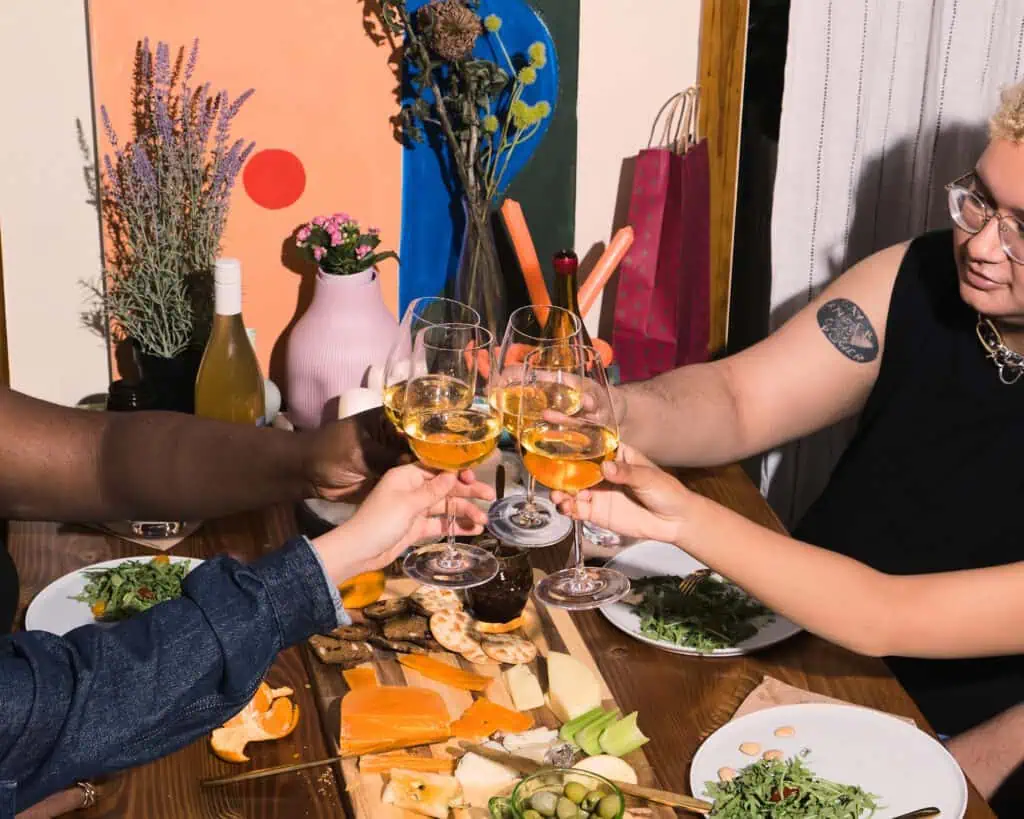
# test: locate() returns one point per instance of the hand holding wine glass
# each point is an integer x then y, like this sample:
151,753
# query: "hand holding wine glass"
449,430
565,453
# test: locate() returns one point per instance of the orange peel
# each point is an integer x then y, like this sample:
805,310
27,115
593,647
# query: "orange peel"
270,714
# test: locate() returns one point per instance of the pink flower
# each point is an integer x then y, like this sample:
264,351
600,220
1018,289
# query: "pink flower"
319,253
335,237
363,251
319,221
303,233
342,217
373,231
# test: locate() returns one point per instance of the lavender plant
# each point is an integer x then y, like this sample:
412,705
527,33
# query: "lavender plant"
165,196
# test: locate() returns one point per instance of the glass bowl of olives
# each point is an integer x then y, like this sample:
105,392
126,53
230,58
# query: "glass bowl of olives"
561,793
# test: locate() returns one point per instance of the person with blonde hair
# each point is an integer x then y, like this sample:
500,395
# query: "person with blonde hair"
920,526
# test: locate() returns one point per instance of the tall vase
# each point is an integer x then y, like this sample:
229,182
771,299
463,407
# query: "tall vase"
479,281
346,330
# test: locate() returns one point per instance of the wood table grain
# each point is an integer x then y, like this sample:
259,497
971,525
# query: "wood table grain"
690,697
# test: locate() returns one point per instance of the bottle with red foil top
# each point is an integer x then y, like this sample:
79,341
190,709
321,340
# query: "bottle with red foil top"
566,265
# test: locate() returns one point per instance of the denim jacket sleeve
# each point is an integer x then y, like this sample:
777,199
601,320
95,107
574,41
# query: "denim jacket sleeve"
104,698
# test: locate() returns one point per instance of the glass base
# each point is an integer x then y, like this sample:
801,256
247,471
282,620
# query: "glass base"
579,589
600,536
507,522
428,564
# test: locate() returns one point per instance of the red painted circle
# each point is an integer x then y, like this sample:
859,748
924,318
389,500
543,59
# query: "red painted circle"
274,178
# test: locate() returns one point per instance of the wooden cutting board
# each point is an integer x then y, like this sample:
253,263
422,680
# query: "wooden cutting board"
550,629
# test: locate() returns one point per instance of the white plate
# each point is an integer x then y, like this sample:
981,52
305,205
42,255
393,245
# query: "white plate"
53,609
903,766
651,557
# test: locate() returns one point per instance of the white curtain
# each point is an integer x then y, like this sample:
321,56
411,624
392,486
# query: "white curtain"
885,101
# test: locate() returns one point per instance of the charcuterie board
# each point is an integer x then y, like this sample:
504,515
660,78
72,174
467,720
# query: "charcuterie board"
549,629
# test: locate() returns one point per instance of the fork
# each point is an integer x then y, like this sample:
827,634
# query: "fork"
689,583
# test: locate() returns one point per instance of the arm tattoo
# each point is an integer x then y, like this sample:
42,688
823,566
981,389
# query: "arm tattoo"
849,330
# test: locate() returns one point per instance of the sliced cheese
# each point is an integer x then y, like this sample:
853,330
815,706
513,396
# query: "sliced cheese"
573,689
483,778
421,792
610,767
523,687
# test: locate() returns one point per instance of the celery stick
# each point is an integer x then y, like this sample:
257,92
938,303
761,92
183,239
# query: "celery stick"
589,738
622,737
573,726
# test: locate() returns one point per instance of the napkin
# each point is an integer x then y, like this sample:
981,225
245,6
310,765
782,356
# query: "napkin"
772,692
162,544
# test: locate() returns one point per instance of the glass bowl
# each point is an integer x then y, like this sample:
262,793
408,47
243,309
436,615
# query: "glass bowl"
539,794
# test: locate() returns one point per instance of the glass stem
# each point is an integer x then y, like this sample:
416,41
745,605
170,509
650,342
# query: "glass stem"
450,558
579,583
531,490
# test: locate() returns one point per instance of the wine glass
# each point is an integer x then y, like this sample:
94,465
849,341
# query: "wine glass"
449,430
531,521
427,311
565,452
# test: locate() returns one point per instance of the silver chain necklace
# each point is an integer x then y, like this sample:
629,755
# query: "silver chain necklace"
1009,363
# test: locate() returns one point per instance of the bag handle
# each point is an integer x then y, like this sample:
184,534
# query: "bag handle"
673,125
690,127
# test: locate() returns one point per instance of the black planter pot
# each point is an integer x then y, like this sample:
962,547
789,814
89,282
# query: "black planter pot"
171,382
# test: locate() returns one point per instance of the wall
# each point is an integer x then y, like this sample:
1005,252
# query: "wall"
630,64
325,93
50,241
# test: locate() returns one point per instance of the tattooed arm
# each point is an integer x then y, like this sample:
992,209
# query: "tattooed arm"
815,370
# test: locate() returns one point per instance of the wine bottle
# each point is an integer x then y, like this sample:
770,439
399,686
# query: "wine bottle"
567,266
230,385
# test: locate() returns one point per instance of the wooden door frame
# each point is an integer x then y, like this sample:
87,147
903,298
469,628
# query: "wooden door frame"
723,47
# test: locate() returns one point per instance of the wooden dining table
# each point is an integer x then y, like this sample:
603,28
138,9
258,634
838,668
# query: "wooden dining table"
690,696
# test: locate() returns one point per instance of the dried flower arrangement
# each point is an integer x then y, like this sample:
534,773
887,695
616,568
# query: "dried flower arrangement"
476,105
338,245
165,196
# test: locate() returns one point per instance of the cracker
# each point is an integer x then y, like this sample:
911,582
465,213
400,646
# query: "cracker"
454,630
509,648
431,599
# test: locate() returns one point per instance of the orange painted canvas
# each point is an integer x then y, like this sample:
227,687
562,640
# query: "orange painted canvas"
324,94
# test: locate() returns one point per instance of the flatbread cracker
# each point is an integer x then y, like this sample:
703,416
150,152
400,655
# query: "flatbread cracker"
509,648
431,599
454,630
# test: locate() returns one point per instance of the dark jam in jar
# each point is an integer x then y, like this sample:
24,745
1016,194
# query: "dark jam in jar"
503,598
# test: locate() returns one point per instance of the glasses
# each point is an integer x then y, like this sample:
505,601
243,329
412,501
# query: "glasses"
971,213
429,311
450,425
565,452
532,521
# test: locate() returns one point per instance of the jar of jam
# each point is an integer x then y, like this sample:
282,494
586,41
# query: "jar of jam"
504,597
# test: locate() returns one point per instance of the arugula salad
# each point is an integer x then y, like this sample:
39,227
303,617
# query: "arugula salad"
132,587
716,614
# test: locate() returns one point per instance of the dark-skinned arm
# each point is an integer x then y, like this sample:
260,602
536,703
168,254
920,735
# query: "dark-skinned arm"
58,463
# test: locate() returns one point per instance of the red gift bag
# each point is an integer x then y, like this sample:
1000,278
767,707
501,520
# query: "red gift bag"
662,309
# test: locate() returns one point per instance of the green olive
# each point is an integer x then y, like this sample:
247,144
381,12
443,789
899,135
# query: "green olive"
591,800
575,792
544,802
566,809
609,807
532,814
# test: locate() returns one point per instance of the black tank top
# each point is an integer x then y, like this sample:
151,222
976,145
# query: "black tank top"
933,479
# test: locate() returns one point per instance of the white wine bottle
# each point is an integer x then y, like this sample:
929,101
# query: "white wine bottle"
230,385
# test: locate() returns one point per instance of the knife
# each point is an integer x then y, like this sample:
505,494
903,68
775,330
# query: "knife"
660,797
915,814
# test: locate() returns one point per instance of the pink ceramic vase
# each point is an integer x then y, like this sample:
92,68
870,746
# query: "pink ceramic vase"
346,330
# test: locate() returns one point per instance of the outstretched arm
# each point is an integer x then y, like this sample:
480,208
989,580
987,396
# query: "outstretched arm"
954,614
58,463
815,370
